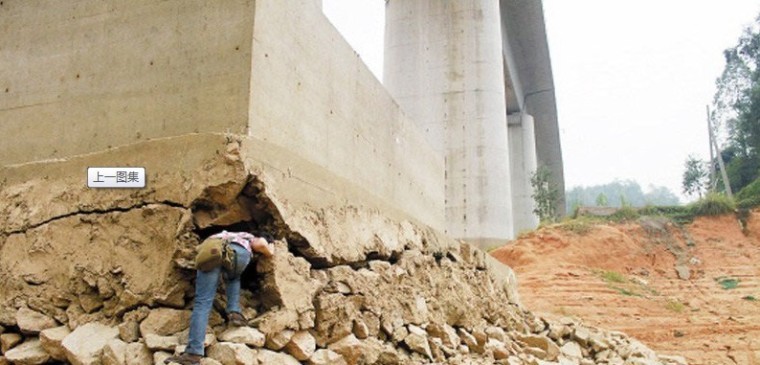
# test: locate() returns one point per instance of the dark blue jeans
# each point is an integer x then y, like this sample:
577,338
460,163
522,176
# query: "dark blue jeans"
205,291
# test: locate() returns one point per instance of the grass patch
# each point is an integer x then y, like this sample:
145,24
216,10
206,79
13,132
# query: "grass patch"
579,226
675,306
728,283
713,204
626,292
613,277
749,298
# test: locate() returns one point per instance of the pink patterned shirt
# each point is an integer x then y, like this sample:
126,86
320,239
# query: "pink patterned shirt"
241,238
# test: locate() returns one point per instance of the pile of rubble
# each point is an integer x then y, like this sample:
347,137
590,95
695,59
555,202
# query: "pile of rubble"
441,307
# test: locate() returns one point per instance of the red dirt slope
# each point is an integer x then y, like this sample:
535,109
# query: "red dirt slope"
624,277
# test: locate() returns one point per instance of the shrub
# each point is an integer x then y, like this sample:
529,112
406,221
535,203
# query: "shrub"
713,204
625,214
750,191
749,196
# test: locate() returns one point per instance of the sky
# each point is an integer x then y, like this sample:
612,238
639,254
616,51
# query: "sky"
632,78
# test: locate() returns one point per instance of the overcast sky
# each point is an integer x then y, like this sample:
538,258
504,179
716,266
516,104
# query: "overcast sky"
632,78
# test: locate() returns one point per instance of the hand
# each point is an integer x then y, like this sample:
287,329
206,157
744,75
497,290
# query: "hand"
262,246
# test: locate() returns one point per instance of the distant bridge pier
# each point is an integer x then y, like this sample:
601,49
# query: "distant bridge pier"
523,163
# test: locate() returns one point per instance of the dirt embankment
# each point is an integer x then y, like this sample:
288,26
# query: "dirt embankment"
692,291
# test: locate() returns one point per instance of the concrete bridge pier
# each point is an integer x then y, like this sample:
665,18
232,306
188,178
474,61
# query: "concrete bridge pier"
523,163
444,66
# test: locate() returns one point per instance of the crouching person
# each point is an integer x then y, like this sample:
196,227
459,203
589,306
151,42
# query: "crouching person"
228,254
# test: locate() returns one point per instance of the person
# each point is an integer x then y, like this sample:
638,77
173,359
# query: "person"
244,244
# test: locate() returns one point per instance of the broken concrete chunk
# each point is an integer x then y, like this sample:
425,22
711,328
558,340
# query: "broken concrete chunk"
326,357
85,345
245,335
496,333
302,345
31,322
497,348
52,341
165,321
28,353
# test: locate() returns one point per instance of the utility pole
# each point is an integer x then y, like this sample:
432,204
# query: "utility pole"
726,183
713,178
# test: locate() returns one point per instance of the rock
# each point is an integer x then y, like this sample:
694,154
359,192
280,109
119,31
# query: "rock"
229,353
85,344
582,335
31,322
417,341
160,356
557,331
165,321
543,343
245,335
129,331
90,302
7,316
497,348
496,333
271,357
279,340
9,340
138,354
326,357
673,360
156,342
469,340
206,361
114,353
4,361
302,345
572,350
184,337
2,330
287,281
52,339
446,333
349,347
28,353
360,330
272,322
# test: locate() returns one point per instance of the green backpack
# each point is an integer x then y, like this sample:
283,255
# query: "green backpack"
214,252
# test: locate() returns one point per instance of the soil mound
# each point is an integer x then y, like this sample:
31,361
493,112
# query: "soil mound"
689,290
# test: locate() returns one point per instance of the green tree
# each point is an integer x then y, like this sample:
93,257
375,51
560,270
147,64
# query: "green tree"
694,176
601,200
545,194
736,106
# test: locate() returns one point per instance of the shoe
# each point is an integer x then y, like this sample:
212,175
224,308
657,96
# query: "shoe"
237,319
184,359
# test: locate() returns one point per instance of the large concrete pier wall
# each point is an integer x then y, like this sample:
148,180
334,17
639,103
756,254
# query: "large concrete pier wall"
83,76
90,75
312,94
